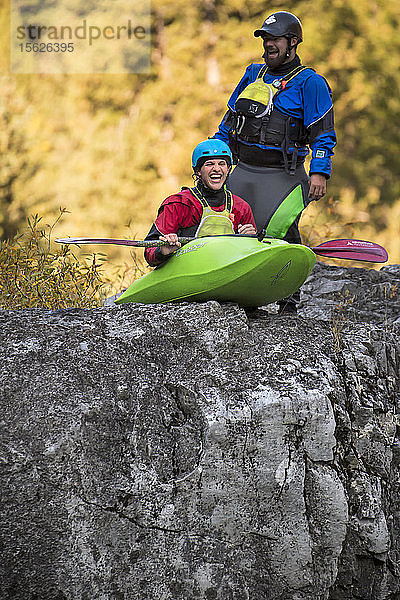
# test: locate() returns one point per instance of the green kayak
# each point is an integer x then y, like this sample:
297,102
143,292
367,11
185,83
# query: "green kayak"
226,268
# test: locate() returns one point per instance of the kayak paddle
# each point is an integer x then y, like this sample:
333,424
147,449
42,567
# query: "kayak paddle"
352,250
347,249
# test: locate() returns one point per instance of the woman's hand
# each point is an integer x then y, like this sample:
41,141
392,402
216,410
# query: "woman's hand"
247,229
173,243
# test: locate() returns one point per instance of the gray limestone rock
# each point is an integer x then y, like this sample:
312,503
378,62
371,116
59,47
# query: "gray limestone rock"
193,451
352,293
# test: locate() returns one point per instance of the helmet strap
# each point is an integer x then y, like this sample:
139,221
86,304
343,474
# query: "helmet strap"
289,47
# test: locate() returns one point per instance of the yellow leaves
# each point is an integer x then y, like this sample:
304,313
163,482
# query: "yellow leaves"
112,147
34,275
34,124
44,146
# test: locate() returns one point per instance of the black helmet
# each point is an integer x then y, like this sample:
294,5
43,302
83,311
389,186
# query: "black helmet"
281,24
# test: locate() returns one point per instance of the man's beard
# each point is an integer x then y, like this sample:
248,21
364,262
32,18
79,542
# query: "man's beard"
274,62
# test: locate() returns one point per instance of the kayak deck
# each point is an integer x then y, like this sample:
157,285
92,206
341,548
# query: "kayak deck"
227,268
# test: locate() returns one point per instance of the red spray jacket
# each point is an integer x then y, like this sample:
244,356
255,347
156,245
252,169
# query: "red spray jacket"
181,213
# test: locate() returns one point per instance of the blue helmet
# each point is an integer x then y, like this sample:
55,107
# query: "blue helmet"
210,149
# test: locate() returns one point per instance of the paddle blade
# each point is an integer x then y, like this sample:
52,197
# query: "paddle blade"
352,250
118,242
115,242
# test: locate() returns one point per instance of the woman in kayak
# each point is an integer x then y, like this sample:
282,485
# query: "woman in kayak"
206,209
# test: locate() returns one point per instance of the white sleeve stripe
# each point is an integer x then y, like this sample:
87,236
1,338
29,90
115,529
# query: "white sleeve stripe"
321,117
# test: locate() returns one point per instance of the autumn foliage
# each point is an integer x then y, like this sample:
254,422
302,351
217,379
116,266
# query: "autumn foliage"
111,147
35,273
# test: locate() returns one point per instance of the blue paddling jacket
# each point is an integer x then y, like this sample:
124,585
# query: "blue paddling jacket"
301,120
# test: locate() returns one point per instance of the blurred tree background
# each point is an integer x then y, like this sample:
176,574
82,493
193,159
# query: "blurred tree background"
109,148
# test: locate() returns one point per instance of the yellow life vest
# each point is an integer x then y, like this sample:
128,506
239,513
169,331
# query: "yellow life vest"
255,104
213,222
258,97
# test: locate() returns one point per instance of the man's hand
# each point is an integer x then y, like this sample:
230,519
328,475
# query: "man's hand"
247,229
173,243
317,186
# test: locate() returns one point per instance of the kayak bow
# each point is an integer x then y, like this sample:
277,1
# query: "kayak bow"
226,268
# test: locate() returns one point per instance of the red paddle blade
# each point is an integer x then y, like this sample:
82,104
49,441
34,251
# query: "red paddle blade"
352,250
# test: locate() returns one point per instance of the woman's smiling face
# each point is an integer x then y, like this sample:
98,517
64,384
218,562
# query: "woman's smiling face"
214,173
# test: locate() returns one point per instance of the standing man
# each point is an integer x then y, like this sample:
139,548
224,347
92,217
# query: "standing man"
278,112
206,209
